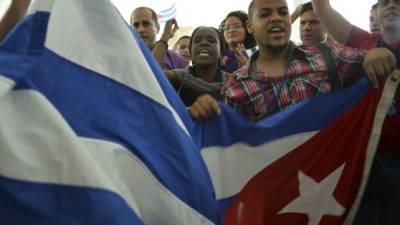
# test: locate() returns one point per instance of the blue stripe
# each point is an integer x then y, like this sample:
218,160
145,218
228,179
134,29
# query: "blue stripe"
100,108
38,203
311,115
168,14
169,9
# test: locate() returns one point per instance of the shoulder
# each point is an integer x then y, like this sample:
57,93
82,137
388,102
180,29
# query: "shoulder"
359,38
174,61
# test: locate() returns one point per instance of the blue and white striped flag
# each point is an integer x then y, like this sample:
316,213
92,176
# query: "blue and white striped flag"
92,132
167,14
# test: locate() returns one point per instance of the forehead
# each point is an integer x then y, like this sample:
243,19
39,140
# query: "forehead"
205,31
142,14
309,15
232,20
269,4
184,41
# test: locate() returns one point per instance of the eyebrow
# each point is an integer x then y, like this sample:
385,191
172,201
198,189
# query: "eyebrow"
279,8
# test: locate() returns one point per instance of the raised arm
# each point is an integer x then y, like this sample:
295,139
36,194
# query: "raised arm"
14,13
296,13
335,23
161,47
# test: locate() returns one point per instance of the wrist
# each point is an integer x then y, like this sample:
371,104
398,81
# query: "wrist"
162,41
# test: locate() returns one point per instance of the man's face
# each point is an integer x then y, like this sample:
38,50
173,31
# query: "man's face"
270,24
311,29
183,49
389,15
144,25
373,21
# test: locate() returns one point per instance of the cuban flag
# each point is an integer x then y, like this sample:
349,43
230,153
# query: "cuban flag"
307,165
92,131
167,14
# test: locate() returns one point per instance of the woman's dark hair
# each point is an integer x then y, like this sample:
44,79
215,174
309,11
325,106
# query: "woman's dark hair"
221,39
249,41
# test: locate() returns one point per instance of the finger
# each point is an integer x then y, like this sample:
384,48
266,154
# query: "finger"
379,70
215,107
372,76
395,76
387,68
193,113
206,107
392,62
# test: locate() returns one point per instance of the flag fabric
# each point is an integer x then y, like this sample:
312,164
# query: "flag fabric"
167,14
306,165
92,131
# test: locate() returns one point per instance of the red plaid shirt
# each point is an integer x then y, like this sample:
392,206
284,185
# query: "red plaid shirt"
257,95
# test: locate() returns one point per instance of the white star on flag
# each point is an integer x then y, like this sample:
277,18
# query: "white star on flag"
316,199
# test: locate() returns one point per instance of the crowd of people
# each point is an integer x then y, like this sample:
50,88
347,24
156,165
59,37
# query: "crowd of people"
250,64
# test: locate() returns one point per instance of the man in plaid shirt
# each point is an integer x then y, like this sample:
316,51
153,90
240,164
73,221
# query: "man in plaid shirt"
281,74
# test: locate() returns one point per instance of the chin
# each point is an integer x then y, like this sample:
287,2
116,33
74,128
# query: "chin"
277,47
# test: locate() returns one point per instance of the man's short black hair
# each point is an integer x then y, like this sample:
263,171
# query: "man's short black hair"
306,7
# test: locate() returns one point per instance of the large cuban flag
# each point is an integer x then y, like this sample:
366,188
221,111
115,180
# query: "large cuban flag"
92,133
91,130
308,165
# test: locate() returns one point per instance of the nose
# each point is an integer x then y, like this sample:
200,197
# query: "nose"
392,4
307,27
276,17
140,28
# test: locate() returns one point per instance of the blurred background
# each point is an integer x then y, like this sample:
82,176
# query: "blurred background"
193,13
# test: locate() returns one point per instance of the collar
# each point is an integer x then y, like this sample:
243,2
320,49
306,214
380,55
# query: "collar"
295,52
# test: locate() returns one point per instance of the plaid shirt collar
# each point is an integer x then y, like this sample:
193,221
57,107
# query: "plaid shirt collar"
295,52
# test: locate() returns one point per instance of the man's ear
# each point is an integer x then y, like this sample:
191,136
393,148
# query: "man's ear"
249,26
158,27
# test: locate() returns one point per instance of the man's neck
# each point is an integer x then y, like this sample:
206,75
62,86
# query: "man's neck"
273,62
392,38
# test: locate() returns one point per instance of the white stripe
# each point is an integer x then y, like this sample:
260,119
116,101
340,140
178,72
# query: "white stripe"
40,5
232,167
5,85
38,145
93,34
380,115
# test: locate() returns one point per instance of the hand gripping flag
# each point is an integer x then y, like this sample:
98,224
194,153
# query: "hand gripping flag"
307,165
92,132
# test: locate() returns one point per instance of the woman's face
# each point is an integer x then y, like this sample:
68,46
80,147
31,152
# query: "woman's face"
205,49
234,31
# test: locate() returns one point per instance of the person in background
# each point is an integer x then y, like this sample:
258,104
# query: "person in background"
311,29
145,22
381,200
240,43
373,19
182,47
15,12
281,74
204,76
